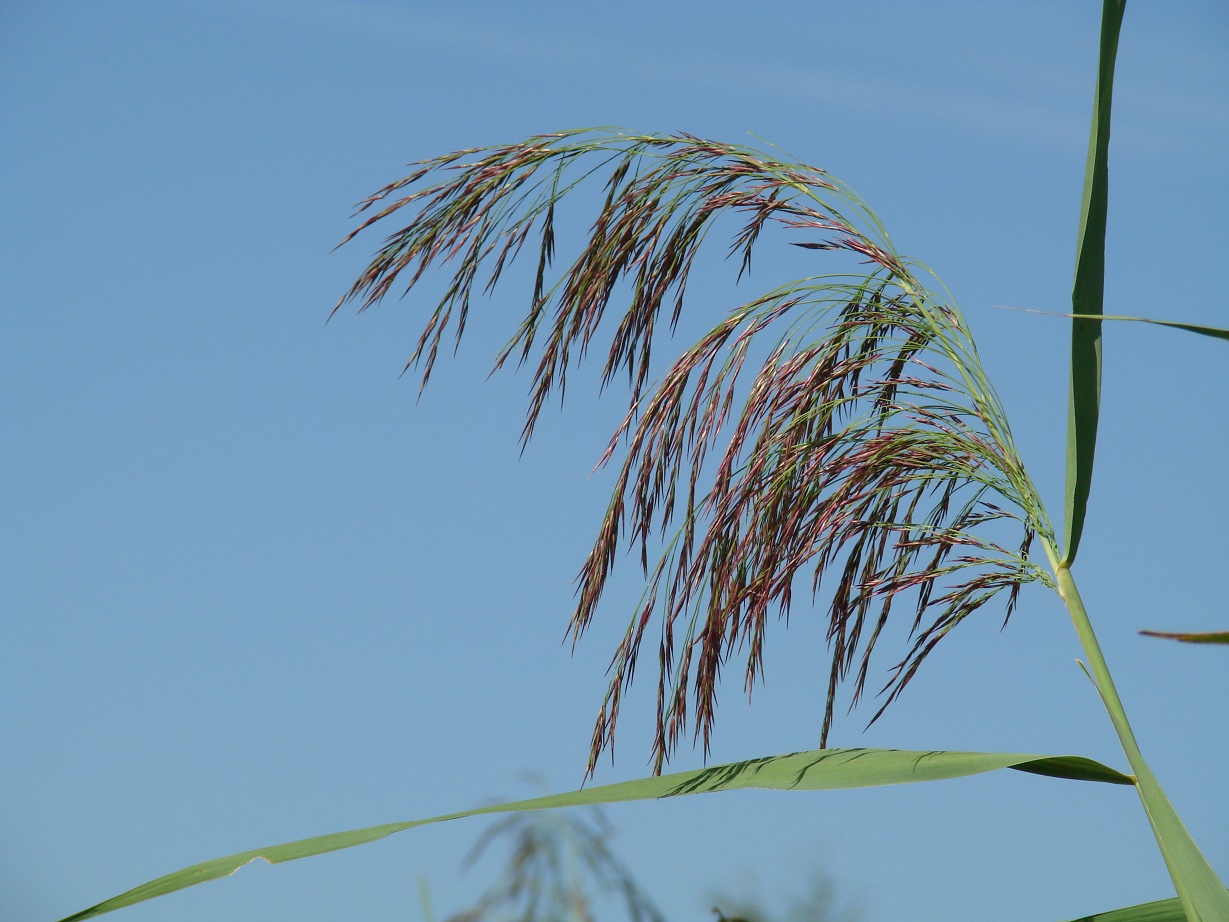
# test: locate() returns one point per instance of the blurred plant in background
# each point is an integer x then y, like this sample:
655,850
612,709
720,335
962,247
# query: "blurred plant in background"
560,868
817,903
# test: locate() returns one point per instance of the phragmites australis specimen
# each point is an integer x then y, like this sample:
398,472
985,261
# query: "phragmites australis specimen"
867,450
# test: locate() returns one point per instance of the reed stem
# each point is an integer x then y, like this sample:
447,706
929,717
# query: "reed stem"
1176,844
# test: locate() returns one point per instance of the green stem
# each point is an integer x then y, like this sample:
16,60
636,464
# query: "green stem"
1199,890
1096,664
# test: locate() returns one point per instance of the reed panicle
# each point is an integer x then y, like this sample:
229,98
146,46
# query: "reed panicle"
867,455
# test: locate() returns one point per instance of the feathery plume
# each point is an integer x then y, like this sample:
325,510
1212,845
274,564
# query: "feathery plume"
867,449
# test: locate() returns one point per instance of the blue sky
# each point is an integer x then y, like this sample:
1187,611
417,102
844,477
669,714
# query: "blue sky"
254,591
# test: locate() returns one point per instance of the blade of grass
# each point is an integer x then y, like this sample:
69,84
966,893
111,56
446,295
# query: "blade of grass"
1214,332
1088,292
1203,896
1169,910
816,770
1210,637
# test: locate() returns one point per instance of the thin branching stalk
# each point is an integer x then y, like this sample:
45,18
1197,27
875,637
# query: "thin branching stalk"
837,432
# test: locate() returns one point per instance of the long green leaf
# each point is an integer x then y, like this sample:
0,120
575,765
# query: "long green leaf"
1209,637
817,770
1088,292
1169,910
1204,897
1214,332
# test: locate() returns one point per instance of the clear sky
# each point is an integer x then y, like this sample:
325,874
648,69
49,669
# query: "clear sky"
253,591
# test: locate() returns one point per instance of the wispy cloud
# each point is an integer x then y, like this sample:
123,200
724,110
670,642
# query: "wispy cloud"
1055,118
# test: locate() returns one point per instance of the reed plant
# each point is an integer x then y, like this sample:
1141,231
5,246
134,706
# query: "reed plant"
836,434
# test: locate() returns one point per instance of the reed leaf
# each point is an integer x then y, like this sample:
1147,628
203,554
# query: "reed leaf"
825,770
1214,332
1208,637
1088,292
1169,910
868,448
